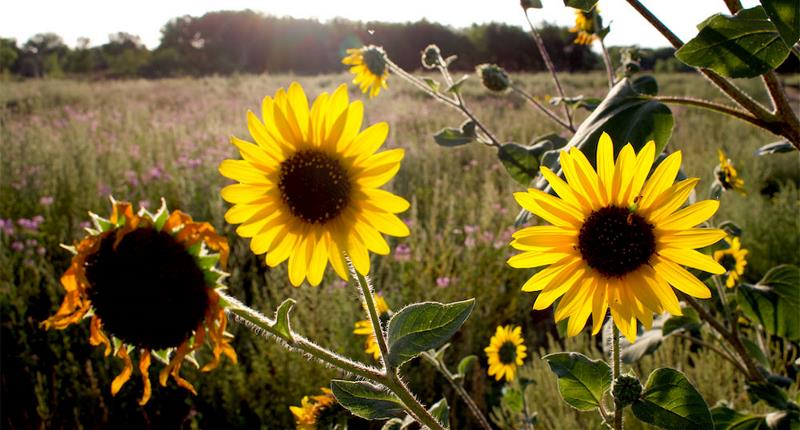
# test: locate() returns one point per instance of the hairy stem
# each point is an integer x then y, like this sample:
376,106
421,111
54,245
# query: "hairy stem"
714,348
459,389
372,313
552,68
541,107
615,369
713,106
609,67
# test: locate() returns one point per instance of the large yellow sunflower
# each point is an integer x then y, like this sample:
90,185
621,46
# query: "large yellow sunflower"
370,67
727,174
618,239
586,26
149,286
506,351
364,327
733,259
308,188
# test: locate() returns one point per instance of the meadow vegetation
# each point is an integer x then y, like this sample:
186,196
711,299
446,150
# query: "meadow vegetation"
65,146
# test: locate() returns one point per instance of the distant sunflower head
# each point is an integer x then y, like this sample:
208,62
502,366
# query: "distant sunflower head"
315,412
308,189
733,259
618,239
727,174
493,77
587,26
370,66
149,284
506,351
364,327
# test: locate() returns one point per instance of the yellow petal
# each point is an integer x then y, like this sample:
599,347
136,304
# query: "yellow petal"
558,286
387,223
670,200
587,177
691,238
385,200
355,117
605,167
544,236
552,209
680,279
358,255
599,306
542,278
693,259
661,179
623,172
318,261
381,167
243,193
369,140
298,106
123,376
690,216
536,259
565,191
370,237
256,155
298,261
644,162
243,171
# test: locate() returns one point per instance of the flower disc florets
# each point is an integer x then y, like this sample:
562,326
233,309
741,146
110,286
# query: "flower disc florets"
314,173
493,77
626,389
375,60
615,241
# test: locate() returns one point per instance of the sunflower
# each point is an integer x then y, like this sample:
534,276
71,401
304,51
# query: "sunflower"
506,351
308,188
308,415
618,239
587,25
370,67
727,174
364,327
733,259
149,286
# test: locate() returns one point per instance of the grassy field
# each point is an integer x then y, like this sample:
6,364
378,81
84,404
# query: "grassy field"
65,146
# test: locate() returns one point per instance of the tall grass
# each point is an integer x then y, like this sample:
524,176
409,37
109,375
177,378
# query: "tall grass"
65,146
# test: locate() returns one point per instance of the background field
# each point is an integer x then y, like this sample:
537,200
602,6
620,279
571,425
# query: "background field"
66,145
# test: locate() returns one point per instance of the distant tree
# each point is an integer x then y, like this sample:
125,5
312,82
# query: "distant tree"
9,54
43,55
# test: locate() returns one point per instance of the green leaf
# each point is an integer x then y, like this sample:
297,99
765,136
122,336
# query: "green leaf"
755,351
520,162
456,87
588,103
468,128
785,14
689,321
281,325
669,401
769,393
581,381
433,84
422,326
585,5
742,46
548,142
531,4
778,147
466,364
512,397
773,301
393,424
452,137
646,85
367,401
441,411
726,418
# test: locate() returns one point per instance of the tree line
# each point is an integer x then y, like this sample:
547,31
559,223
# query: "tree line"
229,42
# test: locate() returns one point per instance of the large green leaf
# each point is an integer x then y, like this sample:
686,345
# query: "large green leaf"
773,302
367,401
520,162
726,418
669,401
581,381
441,411
785,14
585,5
423,326
740,46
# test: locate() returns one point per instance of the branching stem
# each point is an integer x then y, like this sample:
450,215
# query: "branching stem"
615,370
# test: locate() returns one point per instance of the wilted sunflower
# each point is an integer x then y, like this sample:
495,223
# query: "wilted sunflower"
310,414
727,174
149,285
370,67
733,259
506,351
308,187
587,26
618,239
364,327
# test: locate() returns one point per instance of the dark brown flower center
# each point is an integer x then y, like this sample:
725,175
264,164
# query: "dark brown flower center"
314,185
728,261
148,290
375,60
508,353
615,241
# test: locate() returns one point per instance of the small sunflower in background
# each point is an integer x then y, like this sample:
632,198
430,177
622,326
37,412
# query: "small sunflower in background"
588,26
370,67
506,351
364,327
618,239
733,259
148,284
316,412
727,174
308,188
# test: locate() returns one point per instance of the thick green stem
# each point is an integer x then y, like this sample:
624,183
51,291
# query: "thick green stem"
615,370
375,319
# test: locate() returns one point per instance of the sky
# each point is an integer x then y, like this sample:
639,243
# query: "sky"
96,19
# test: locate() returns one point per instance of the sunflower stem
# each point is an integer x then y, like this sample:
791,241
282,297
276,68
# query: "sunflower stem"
615,369
607,62
372,312
459,389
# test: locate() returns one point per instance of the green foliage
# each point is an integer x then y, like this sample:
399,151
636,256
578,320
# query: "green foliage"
581,381
726,418
520,162
742,46
670,401
585,5
441,411
779,147
422,326
367,401
456,136
785,14
773,301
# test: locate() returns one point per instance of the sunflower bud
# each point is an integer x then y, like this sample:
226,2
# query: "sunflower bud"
626,389
494,78
432,57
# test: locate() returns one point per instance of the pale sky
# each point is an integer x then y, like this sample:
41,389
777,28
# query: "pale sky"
96,19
